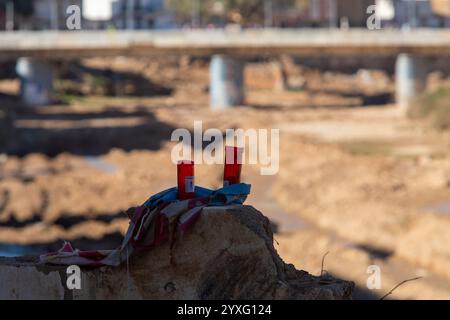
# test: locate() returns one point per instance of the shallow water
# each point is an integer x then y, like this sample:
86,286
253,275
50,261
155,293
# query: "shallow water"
263,200
17,250
100,164
439,208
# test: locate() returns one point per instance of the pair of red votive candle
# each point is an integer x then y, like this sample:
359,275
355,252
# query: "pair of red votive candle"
231,173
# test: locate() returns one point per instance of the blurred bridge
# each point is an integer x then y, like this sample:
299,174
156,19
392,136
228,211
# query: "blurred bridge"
35,52
76,44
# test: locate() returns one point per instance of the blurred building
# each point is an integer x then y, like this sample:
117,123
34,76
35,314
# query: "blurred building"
140,14
17,15
353,12
423,13
323,13
50,14
2,18
154,14
97,14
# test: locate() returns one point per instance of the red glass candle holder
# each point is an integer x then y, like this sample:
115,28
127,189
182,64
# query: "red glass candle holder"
233,165
185,177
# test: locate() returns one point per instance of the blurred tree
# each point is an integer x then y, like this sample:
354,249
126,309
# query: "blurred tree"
246,12
184,9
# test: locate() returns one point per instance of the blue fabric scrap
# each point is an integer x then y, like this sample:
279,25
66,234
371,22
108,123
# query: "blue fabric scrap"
233,194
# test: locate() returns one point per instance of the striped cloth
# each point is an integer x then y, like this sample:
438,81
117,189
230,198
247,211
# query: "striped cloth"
152,224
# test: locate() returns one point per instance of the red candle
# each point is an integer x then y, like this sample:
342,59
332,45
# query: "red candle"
233,165
186,184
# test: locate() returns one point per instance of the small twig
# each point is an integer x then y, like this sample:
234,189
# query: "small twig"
276,241
397,286
323,262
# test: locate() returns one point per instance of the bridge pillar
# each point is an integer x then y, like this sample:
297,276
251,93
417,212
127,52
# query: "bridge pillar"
226,82
36,81
410,78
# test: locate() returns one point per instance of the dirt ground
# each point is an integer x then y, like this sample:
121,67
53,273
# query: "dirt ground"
363,183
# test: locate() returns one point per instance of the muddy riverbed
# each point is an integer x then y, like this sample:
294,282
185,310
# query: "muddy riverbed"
360,182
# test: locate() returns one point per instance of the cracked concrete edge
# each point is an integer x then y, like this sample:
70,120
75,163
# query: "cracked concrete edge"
25,278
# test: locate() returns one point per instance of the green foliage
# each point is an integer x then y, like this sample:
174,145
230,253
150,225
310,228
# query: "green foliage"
367,148
434,107
251,11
